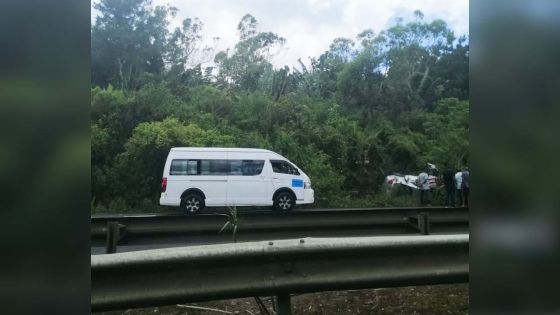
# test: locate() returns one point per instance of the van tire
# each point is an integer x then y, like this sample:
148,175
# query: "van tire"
284,201
192,203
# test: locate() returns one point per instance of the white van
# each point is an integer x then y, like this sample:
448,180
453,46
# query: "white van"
194,178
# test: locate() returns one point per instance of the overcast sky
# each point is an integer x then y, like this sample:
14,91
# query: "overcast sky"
309,26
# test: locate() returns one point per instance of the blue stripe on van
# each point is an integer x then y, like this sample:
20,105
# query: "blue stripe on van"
297,183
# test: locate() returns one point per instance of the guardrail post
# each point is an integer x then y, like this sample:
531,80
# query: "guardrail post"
420,222
284,305
424,223
112,237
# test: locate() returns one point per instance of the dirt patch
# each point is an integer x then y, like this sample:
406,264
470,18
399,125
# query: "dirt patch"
436,299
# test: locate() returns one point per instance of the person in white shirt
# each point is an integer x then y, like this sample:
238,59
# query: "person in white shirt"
458,183
424,186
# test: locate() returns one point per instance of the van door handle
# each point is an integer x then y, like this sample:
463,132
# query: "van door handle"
275,178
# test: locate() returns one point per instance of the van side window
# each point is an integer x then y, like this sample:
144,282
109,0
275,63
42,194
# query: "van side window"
217,167
214,167
283,167
235,167
245,167
184,167
252,167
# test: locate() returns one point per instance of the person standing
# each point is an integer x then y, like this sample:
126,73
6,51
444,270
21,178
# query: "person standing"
458,186
465,186
424,186
449,183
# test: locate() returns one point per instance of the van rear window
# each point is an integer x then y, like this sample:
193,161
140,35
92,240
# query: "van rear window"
217,167
184,167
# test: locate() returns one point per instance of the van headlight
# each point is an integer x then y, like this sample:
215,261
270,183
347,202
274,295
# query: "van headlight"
307,185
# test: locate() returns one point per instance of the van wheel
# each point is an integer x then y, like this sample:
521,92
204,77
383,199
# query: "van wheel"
284,201
192,204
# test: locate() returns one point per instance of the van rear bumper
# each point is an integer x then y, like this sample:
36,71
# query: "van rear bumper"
308,197
166,201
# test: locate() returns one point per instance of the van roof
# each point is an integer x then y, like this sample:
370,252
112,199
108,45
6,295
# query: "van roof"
202,149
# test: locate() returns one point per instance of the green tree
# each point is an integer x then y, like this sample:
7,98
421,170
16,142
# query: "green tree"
251,57
139,167
129,38
447,133
100,163
186,54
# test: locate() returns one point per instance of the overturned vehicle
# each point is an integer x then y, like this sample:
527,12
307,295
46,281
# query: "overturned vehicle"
411,181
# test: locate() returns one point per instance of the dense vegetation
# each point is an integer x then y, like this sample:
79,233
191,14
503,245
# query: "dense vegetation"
370,106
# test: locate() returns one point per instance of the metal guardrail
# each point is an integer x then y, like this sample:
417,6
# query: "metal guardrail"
156,231
200,273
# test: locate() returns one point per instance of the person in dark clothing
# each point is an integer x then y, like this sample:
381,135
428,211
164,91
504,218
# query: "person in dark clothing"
465,186
449,183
